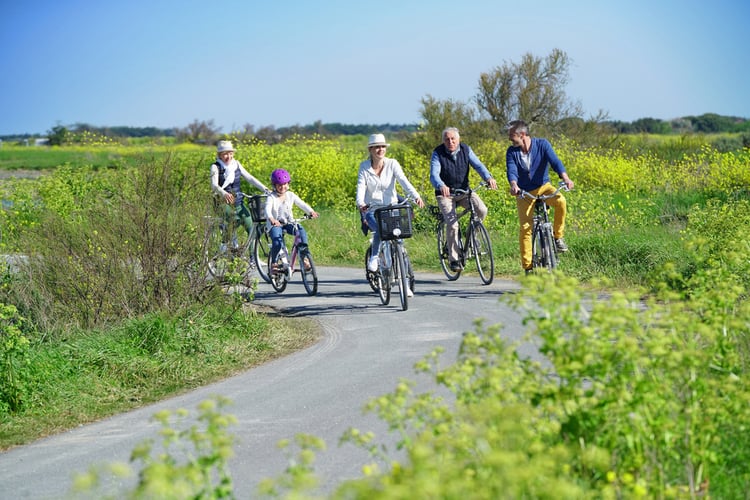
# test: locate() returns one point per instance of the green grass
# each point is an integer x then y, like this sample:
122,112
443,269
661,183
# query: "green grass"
94,374
45,158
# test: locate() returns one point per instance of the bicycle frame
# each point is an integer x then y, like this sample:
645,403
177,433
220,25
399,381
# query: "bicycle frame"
475,243
278,279
393,259
544,251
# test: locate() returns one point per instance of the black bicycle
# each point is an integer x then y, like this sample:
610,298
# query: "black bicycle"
225,247
394,267
543,248
475,244
282,269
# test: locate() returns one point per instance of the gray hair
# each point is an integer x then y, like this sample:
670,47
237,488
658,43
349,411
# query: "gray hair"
450,129
517,126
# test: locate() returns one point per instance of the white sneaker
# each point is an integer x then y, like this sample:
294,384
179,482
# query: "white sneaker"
409,293
372,265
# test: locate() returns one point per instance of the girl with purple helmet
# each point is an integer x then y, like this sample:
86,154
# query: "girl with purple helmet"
279,211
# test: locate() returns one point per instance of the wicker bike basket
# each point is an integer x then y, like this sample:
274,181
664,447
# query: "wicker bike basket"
394,222
258,207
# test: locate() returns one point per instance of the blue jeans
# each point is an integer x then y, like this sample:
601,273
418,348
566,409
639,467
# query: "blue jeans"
373,225
277,237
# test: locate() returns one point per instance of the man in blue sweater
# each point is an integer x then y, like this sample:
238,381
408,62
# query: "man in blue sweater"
527,163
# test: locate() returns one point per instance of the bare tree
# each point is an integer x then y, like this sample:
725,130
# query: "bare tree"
437,115
199,132
532,90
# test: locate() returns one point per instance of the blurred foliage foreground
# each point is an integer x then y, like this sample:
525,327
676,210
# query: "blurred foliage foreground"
640,395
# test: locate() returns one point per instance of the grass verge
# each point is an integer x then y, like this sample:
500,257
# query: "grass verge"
94,374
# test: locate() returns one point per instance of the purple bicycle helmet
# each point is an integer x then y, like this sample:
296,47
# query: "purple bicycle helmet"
280,176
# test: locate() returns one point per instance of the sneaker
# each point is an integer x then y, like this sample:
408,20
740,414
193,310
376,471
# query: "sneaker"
561,246
372,265
528,271
456,266
409,293
306,264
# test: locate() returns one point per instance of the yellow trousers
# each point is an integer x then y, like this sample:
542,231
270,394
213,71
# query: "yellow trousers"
526,218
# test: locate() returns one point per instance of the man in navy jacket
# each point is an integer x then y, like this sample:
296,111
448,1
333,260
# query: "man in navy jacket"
527,163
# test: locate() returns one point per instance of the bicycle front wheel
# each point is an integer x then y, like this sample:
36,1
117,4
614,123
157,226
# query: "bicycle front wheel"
550,256
443,253
400,273
277,273
308,272
482,250
261,252
384,275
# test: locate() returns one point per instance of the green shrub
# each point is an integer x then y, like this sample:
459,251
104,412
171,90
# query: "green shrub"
14,360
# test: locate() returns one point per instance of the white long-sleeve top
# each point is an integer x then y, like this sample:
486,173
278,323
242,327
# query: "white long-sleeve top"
380,190
281,210
234,168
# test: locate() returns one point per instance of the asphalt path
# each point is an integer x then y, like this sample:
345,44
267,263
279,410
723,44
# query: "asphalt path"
365,349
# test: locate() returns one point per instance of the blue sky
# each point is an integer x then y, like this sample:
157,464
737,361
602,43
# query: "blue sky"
165,63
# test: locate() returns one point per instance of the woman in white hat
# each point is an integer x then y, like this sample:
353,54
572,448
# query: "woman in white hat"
376,187
226,176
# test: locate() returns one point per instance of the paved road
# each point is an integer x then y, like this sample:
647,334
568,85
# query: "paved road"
366,348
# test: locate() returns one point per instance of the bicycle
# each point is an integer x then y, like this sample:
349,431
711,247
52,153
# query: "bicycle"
226,243
394,224
475,245
543,248
282,269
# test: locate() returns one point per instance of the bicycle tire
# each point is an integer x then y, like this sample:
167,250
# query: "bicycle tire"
212,251
278,279
399,271
309,277
537,251
549,248
261,251
384,277
370,276
443,254
482,250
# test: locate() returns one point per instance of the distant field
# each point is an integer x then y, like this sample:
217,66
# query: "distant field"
40,158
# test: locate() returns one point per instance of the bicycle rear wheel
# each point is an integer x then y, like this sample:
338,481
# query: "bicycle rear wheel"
372,277
443,254
481,247
261,251
308,272
399,269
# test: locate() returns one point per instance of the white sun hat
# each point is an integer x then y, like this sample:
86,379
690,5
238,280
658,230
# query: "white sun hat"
224,146
377,140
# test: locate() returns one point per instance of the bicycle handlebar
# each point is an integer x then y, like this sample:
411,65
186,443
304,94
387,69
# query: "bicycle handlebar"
560,187
456,193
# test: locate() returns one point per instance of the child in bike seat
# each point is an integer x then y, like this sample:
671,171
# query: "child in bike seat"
279,211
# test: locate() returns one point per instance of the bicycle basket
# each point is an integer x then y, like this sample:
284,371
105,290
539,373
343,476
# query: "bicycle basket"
394,222
258,207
